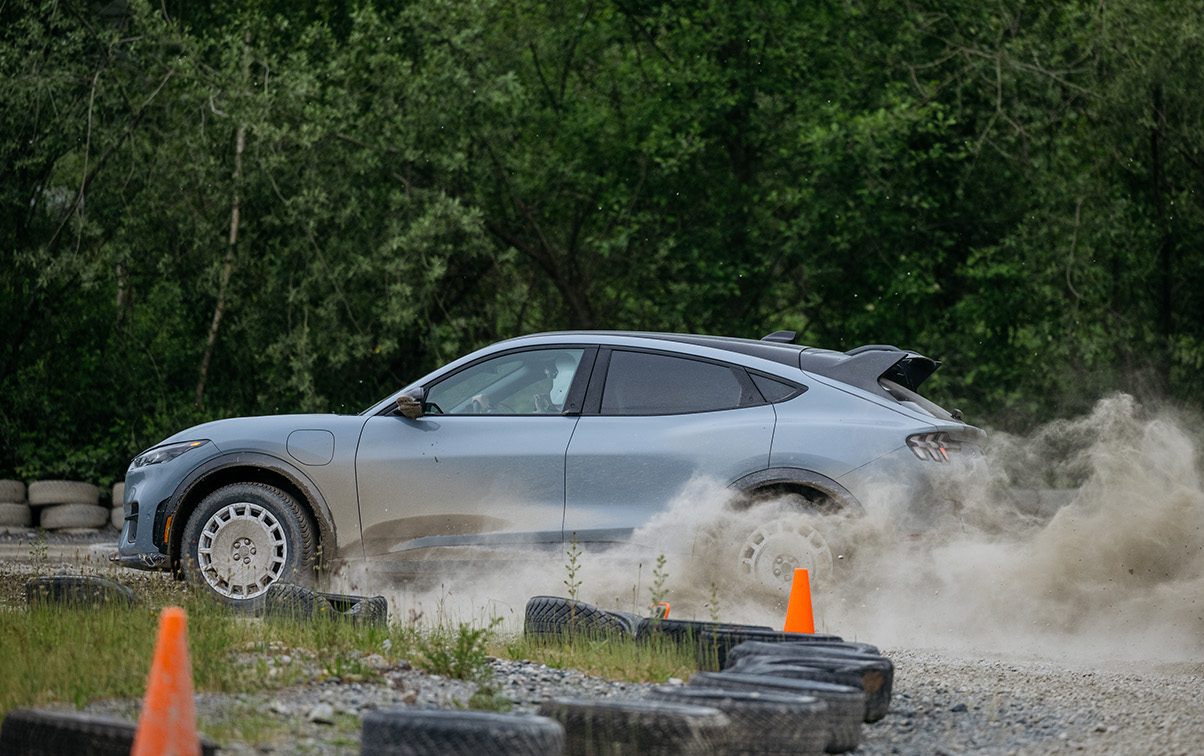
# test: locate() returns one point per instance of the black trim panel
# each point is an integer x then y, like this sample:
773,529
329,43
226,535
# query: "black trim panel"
776,476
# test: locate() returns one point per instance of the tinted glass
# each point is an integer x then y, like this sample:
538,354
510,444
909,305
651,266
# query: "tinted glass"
773,390
534,382
656,384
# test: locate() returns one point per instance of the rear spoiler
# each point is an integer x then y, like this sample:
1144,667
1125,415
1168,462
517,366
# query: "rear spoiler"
864,366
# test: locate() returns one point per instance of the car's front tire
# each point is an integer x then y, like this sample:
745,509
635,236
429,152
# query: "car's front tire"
244,537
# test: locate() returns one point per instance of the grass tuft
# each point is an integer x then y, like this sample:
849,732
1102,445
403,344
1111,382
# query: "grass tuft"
55,654
620,659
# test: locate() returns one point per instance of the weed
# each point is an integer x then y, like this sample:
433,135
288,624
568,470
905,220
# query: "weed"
572,567
659,577
622,659
488,697
37,553
460,654
61,654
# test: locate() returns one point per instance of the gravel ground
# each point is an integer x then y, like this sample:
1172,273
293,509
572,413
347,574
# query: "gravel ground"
944,702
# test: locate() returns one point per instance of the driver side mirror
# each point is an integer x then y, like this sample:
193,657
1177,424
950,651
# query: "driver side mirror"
409,403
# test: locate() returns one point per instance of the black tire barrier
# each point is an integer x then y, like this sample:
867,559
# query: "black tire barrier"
761,721
291,602
613,727
78,591
50,492
795,649
37,732
873,674
555,618
713,645
419,732
360,610
686,631
846,704
301,603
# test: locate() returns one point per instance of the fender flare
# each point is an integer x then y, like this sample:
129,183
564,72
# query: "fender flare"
314,501
794,476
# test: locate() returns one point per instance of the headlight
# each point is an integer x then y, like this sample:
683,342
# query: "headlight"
164,453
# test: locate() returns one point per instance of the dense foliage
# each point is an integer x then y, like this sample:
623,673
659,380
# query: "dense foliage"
210,209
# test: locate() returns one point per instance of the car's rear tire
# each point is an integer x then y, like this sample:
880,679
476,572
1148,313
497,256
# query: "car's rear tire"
244,537
802,533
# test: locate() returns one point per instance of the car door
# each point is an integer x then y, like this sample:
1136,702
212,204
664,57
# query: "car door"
484,465
652,422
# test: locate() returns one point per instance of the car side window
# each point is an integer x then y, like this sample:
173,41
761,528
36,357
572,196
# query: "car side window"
639,383
774,390
531,382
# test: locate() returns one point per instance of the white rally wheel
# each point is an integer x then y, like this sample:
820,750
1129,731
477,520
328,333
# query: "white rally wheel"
242,550
770,554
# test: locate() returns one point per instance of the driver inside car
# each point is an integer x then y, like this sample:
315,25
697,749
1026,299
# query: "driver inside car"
547,387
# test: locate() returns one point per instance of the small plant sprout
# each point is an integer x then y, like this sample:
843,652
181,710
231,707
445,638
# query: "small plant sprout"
572,567
659,577
459,654
38,551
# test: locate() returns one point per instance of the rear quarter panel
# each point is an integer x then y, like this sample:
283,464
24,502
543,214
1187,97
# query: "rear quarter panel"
830,431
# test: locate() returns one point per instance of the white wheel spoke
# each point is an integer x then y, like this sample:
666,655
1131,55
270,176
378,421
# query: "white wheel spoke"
243,549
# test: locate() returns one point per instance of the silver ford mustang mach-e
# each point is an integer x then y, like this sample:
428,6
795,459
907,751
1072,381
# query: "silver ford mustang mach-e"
529,443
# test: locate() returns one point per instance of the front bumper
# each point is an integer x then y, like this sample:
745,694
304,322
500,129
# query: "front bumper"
151,496
142,561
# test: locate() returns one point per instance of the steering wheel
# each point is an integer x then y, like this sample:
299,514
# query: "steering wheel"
479,407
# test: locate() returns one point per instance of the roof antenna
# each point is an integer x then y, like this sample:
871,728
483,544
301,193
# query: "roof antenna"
780,337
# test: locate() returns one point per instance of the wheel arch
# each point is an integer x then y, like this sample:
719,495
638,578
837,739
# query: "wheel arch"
779,480
249,467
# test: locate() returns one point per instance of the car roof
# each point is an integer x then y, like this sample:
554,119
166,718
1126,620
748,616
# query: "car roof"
861,367
785,354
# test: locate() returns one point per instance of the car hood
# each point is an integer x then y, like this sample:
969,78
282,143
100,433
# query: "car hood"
237,432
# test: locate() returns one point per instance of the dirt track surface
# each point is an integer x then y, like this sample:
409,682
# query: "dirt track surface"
944,702
949,704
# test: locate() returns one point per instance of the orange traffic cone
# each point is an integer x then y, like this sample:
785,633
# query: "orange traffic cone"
167,725
799,618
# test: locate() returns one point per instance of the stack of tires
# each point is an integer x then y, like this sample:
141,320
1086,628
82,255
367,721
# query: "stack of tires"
774,692
117,515
67,505
15,513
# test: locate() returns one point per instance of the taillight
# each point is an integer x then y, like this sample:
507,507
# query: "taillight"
932,447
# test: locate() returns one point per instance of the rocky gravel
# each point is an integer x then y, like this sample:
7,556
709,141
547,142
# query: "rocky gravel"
944,702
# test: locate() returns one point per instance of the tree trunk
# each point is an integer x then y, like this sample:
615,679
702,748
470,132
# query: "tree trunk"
219,309
1166,246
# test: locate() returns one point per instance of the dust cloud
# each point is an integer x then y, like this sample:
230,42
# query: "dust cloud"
1083,539
1115,572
